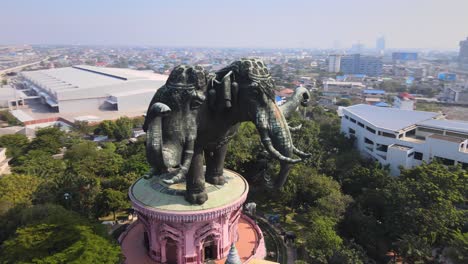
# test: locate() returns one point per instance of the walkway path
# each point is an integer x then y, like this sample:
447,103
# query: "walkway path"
290,249
291,254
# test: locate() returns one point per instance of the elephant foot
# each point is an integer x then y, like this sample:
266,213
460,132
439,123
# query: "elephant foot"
216,180
149,174
173,180
170,179
196,198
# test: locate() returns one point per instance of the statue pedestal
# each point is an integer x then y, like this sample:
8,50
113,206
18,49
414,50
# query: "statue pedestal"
174,231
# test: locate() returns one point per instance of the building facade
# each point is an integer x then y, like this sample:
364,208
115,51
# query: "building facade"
357,64
380,44
334,63
463,54
404,138
86,88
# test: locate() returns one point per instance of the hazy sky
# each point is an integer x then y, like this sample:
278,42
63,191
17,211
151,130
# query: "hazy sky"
435,24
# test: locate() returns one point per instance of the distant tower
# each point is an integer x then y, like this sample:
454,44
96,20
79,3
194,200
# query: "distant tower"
357,48
463,54
380,44
336,45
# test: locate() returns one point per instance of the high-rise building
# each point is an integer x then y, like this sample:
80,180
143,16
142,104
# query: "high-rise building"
357,64
463,54
334,63
380,44
357,48
399,57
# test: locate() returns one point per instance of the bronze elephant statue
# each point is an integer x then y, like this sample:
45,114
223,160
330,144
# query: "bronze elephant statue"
242,91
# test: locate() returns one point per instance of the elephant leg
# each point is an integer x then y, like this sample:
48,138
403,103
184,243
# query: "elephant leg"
180,175
196,193
215,165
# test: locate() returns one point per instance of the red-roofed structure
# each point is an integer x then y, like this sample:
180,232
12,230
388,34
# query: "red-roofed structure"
285,92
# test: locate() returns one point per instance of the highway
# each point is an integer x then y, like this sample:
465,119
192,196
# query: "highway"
16,68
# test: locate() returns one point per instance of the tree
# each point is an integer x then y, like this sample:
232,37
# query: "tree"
426,202
392,86
315,192
413,248
362,178
15,144
120,183
86,158
350,253
106,128
138,122
457,249
65,239
82,127
18,189
123,128
49,140
344,102
322,241
9,118
243,148
136,164
39,163
21,216
111,200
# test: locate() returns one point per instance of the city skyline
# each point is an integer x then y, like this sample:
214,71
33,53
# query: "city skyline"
260,24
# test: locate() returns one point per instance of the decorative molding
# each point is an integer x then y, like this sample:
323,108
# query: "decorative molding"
187,216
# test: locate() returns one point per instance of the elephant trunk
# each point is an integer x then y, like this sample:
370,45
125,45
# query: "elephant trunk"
154,144
276,138
300,98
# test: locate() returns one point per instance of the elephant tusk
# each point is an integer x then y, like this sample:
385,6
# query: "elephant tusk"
160,109
301,154
296,128
269,146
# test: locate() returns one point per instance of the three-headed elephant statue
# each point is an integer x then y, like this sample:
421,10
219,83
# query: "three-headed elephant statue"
187,135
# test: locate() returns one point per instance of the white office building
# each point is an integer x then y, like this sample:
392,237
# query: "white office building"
86,88
405,138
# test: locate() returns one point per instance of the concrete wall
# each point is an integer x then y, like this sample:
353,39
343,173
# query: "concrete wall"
81,105
447,149
134,102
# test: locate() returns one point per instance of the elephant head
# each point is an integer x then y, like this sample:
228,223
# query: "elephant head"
246,89
171,122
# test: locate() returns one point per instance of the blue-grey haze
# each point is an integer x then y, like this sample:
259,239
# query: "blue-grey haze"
433,24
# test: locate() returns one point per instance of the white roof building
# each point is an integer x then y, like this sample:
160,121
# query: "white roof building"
406,138
82,87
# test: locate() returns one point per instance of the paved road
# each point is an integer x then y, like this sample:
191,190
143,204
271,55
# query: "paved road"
21,66
291,254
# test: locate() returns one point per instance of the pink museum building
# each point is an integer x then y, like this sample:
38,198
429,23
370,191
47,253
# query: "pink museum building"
170,230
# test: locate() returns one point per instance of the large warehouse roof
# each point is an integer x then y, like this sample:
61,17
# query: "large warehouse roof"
392,119
454,125
84,81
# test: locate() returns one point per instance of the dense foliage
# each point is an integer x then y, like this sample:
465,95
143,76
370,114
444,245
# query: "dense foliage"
346,209
51,234
65,169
